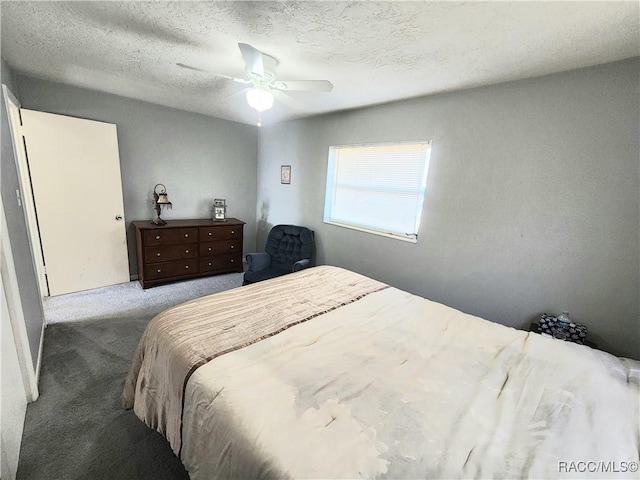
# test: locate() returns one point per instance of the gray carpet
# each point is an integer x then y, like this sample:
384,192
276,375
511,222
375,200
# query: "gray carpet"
77,428
129,299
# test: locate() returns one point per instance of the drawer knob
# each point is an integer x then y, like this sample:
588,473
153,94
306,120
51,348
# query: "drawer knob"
159,270
186,251
157,237
233,231
232,260
209,233
210,263
186,235
157,254
186,266
209,248
232,247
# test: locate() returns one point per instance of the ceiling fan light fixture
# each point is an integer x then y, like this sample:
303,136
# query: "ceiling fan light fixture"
260,99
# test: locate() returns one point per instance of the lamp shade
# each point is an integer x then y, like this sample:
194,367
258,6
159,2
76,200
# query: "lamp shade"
260,98
163,199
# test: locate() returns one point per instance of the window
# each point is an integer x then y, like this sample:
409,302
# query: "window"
377,188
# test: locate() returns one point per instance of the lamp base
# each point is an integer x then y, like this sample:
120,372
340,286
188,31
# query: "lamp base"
158,220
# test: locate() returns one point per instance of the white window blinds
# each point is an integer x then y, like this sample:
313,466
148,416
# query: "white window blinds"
378,188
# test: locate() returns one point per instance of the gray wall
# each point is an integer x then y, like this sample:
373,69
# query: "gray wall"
25,272
533,191
532,203
198,158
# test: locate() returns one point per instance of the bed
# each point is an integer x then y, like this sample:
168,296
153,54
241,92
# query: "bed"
326,373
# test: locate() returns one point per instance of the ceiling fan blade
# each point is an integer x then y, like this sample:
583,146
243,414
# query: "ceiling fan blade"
235,79
253,58
304,85
239,93
189,67
288,100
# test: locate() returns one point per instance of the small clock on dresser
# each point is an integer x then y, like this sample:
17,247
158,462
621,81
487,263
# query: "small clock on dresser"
219,210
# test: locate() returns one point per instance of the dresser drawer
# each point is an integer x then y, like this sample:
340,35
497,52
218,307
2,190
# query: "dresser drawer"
220,262
170,252
220,232
222,246
154,271
169,236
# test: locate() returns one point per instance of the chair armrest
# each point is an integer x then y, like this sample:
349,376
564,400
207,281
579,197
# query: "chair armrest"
300,264
258,261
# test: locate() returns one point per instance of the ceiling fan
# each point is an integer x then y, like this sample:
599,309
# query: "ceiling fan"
261,75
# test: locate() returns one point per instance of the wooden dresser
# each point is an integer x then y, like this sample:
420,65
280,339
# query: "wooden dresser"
184,249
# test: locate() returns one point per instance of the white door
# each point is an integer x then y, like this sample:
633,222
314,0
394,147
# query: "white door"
77,189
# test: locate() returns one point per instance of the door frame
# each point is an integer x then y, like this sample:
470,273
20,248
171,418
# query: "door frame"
30,373
26,194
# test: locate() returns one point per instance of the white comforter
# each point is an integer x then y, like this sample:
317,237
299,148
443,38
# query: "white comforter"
396,386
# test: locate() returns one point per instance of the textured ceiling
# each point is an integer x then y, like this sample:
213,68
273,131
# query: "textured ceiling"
372,52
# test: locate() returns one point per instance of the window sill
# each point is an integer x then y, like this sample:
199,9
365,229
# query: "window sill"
402,238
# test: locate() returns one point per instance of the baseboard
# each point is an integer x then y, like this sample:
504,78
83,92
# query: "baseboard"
39,362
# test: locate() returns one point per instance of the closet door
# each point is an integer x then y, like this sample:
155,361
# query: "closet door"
77,188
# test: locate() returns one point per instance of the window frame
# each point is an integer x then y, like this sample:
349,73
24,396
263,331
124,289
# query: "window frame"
330,187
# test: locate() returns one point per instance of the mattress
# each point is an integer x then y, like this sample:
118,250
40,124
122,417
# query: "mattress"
329,374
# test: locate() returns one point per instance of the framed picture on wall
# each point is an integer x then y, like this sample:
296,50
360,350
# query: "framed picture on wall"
285,174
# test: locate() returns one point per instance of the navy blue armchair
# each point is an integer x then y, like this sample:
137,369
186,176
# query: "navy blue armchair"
289,249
